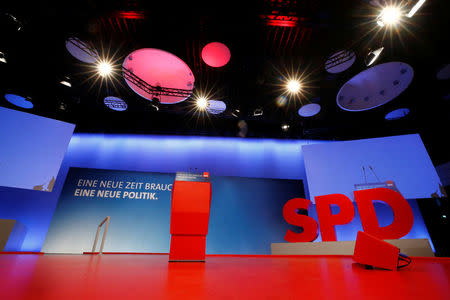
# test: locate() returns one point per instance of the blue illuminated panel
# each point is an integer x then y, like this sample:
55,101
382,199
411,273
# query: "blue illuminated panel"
32,149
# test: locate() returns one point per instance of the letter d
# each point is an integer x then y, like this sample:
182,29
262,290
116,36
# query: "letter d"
403,215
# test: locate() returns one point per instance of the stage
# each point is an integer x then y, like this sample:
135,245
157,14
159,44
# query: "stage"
147,276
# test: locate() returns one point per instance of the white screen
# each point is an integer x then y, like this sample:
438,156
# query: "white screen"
399,162
32,149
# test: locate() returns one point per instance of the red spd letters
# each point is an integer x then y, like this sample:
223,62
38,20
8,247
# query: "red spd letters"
402,224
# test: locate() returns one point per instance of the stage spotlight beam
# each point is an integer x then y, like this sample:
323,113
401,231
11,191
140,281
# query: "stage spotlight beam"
201,103
104,68
389,16
415,8
293,86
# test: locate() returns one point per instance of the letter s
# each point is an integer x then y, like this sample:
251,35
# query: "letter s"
309,225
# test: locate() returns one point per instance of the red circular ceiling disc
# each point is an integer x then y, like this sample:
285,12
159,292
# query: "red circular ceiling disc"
159,68
216,54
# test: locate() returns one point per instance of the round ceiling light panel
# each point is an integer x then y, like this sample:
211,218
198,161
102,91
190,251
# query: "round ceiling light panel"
444,73
19,101
159,68
375,86
81,50
115,103
309,110
216,107
340,61
216,54
397,114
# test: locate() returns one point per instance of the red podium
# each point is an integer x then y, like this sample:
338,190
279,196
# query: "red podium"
191,202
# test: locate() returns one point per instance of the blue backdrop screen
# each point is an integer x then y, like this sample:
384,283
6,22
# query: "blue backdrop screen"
32,149
246,213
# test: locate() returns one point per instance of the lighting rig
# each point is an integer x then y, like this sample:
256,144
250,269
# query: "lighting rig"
339,58
156,91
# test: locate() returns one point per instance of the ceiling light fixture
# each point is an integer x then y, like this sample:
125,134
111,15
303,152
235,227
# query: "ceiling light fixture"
389,16
293,86
372,56
201,103
18,23
66,82
415,8
2,57
258,112
104,68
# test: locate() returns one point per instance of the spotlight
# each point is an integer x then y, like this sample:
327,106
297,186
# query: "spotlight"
372,56
2,57
285,127
258,112
66,82
293,86
155,103
415,8
18,23
389,16
62,105
151,106
202,103
104,68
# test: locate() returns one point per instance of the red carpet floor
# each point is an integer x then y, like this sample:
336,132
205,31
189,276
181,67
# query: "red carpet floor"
221,277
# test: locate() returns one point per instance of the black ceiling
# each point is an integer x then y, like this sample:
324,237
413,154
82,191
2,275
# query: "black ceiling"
261,57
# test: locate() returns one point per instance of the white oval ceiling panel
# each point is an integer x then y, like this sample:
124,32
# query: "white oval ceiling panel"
340,61
375,86
81,50
115,103
309,110
216,107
